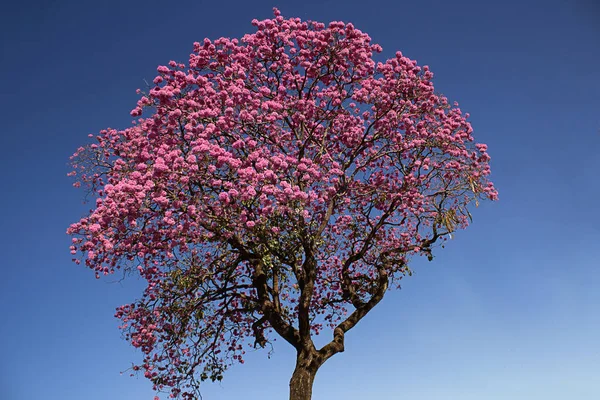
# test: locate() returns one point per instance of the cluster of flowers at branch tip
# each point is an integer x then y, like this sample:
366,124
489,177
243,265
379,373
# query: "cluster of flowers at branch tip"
290,143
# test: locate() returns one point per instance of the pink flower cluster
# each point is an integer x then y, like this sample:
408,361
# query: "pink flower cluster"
291,135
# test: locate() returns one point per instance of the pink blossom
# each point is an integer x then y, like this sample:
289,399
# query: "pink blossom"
289,153
224,197
94,228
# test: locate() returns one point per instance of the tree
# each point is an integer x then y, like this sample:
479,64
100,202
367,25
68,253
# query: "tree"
278,186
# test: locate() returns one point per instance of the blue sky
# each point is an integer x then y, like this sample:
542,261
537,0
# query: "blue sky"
508,310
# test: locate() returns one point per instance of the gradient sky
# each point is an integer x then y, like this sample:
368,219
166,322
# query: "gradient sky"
509,310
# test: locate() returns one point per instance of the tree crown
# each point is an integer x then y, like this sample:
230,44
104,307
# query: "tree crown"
277,184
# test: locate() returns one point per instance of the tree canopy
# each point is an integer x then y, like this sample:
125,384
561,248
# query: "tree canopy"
275,185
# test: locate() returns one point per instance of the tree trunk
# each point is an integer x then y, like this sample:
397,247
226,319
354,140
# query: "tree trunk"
301,384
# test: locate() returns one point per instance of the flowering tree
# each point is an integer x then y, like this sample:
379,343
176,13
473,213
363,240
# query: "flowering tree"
278,186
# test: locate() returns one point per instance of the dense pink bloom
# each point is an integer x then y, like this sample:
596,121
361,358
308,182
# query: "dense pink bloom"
288,160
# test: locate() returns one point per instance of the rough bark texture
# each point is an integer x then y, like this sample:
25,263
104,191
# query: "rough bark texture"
307,364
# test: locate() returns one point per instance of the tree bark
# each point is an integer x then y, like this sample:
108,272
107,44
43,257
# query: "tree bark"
301,384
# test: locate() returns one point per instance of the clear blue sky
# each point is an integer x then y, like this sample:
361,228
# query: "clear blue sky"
509,310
